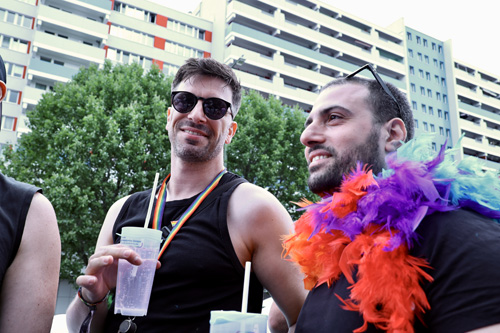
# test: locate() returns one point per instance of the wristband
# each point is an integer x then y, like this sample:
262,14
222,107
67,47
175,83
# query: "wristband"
89,304
85,328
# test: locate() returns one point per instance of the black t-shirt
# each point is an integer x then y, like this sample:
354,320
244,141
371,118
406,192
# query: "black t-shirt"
463,249
199,272
15,201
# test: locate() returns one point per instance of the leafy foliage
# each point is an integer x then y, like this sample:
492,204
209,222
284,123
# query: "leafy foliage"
102,136
93,140
267,150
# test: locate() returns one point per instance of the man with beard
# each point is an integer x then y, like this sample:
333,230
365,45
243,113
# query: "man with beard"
411,249
30,252
203,267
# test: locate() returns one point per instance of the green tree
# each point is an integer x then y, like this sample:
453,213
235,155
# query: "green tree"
267,150
93,140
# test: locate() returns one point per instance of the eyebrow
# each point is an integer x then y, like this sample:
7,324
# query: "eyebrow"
326,111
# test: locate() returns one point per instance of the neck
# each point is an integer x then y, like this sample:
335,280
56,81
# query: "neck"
189,179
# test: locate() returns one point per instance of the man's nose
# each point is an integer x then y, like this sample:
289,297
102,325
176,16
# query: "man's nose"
197,115
311,135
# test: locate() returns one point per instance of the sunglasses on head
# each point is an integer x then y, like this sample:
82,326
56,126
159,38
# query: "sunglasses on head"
213,107
379,81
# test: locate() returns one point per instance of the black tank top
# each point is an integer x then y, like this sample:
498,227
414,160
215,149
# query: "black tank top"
15,199
200,270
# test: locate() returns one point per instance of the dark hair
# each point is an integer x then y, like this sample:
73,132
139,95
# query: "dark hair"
212,68
384,108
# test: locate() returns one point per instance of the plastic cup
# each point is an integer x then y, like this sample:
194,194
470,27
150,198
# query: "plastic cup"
237,322
133,285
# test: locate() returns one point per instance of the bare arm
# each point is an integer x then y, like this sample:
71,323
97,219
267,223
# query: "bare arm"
100,274
29,291
257,221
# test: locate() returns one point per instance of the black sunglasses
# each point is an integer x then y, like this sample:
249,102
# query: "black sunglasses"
379,81
213,107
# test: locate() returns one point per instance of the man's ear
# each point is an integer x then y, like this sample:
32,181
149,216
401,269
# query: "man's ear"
231,131
3,90
396,132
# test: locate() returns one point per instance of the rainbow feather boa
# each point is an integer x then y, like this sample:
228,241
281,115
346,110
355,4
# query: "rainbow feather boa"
370,223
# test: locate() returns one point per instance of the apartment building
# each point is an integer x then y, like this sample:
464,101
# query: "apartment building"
285,48
44,42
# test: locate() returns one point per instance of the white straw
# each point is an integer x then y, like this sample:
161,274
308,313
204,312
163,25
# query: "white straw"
151,200
246,285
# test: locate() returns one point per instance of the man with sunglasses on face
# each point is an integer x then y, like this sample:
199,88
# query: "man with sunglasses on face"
202,269
30,252
411,249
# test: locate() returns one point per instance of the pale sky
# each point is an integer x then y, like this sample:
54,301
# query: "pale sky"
472,27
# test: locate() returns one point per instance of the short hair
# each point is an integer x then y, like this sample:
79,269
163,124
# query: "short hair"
212,68
384,108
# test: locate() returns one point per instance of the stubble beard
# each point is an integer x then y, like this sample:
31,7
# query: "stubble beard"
329,179
191,151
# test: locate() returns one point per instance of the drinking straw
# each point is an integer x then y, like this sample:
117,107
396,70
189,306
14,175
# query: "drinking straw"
151,200
246,284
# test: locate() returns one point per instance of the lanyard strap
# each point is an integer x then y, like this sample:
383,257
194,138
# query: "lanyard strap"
161,202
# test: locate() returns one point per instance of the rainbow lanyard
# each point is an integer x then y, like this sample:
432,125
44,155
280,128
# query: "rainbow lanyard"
160,207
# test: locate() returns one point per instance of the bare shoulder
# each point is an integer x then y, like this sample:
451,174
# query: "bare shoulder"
41,218
256,211
252,199
106,233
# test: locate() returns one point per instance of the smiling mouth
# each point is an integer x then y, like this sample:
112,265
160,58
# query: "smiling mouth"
193,133
319,157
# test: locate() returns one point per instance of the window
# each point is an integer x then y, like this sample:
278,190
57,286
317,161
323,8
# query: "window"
422,91
433,46
426,59
448,134
418,40
414,105
433,129
438,96
408,35
410,53
16,18
119,56
424,108
443,82
429,93
446,115
413,88
440,49
419,56
436,78
441,65
431,111
421,73
425,43
440,113
8,123
434,146
14,44
416,123
441,130
40,86
131,35
445,98
412,70
435,63
12,96
426,127
14,69
428,76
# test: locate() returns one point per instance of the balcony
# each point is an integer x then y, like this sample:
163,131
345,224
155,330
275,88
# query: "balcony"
69,48
76,23
51,71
